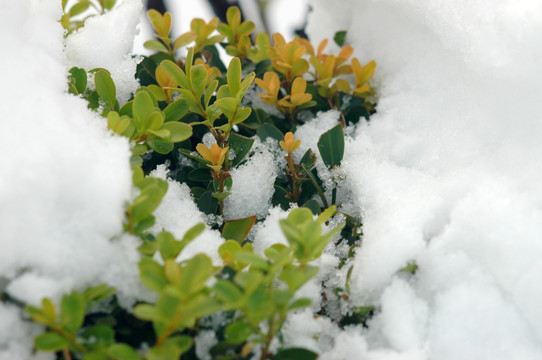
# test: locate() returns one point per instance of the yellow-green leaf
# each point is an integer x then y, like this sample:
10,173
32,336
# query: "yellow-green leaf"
156,46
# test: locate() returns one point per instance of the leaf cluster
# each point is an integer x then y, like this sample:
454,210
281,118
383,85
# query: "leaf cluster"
181,100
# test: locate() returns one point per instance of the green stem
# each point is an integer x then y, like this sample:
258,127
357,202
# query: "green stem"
221,190
317,187
334,196
71,338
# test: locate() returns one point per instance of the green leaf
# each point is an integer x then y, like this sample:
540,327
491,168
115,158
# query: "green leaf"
259,305
144,224
209,92
152,274
167,351
155,120
245,85
79,77
198,78
297,276
167,245
37,315
195,273
188,62
178,131
295,354
331,146
79,7
162,134
234,75
227,292
276,252
299,216
340,37
49,310
279,197
227,105
221,195
308,160
156,46
411,267
108,4
126,109
200,174
207,203
172,271
157,92
241,115
72,311
203,306
122,352
327,214
98,293
269,130
161,146
146,312
238,332
184,40
142,108
50,341
230,246
176,110
313,206
250,280
241,146
300,303
252,259
238,229
176,74
105,87
193,232
98,336
147,201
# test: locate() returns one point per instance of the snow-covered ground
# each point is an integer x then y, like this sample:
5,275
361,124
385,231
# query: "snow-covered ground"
447,174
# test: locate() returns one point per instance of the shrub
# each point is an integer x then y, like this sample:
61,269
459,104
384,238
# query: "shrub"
179,101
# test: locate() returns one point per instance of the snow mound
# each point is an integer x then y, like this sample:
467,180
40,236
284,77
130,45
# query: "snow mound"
446,174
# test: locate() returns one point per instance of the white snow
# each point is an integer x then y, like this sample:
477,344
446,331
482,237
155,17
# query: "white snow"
65,179
446,174
252,187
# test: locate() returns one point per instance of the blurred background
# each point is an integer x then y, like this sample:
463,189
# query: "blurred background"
285,16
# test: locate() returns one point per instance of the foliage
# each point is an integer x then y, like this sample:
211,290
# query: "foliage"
179,101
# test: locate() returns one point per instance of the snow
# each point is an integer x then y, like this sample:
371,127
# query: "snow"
253,185
446,174
65,179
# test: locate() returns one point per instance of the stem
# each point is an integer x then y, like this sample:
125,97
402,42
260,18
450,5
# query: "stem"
170,329
290,170
318,188
71,339
67,355
268,339
334,195
221,190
